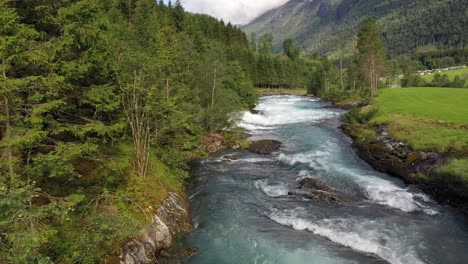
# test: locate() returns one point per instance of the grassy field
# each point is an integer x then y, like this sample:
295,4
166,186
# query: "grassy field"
437,104
429,119
463,73
266,91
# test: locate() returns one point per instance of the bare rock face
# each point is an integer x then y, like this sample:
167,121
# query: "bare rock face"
170,219
265,147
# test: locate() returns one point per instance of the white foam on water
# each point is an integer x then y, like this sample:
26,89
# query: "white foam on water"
387,193
358,234
377,190
272,190
281,110
316,159
253,160
313,158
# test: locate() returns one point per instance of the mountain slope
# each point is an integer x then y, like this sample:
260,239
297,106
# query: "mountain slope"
408,25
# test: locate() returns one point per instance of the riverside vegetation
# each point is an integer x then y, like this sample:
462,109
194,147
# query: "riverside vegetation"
419,134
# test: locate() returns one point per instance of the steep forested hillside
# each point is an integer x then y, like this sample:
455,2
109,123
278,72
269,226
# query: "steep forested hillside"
102,104
325,26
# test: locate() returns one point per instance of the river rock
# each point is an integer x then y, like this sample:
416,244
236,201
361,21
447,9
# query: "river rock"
230,158
265,147
255,112
318,190
313,183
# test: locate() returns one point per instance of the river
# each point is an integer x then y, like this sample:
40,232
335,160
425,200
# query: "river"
242,212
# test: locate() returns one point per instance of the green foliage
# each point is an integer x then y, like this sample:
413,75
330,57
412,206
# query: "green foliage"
456,169
409,27
358,116
412,80
324,80
84,85
290,50
98,234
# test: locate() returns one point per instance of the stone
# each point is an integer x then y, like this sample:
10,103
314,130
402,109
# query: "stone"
169,220
265,147
230,158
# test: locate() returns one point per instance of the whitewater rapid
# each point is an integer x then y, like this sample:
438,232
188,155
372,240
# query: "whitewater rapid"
244,214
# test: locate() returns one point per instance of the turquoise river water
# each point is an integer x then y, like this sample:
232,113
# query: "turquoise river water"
242,212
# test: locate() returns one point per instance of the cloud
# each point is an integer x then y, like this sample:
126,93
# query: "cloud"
234,11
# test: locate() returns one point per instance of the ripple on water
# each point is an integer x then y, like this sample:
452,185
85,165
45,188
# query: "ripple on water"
359,234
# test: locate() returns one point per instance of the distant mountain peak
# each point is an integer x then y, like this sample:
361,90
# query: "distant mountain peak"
408,25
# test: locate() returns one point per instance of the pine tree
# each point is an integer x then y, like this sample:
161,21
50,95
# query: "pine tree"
371,52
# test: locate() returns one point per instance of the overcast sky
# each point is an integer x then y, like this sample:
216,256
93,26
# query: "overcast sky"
234,11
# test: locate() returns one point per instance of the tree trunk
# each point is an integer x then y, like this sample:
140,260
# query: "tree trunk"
138,118
214,89
167,89
341,74
372,76
9,151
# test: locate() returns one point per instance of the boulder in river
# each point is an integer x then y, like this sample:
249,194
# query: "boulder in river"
318,190
265,147
230,158
313,183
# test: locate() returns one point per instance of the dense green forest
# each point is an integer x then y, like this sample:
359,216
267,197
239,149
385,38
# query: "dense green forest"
103,103
429,28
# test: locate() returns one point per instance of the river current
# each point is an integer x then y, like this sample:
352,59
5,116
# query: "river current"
242,212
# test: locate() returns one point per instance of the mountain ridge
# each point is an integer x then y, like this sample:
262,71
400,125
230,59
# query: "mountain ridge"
408,26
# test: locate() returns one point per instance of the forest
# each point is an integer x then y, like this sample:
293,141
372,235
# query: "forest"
103,103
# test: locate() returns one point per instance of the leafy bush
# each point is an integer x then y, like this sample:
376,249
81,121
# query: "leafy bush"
358,116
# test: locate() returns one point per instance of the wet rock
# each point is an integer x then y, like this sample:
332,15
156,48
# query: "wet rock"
313,183
397,158
318,190
388,155
256,112
188,252
230,158
265,147
178,256
318,195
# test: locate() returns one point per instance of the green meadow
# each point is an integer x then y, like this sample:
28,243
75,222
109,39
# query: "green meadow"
429,119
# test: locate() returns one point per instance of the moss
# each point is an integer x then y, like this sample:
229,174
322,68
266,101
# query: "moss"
455,170
418,177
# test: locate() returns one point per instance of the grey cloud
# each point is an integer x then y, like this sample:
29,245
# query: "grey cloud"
234,11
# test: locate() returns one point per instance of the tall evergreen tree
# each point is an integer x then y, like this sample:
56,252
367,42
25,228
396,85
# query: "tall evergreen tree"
371,52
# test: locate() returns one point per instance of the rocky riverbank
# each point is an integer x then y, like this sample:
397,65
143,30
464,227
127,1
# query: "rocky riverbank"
167,222
172,218
374,145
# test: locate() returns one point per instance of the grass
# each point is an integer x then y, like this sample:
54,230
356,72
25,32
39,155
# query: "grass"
456,169
437,104
429,119
281,91
463,73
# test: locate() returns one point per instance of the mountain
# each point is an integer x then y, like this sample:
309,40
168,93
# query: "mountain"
408,25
